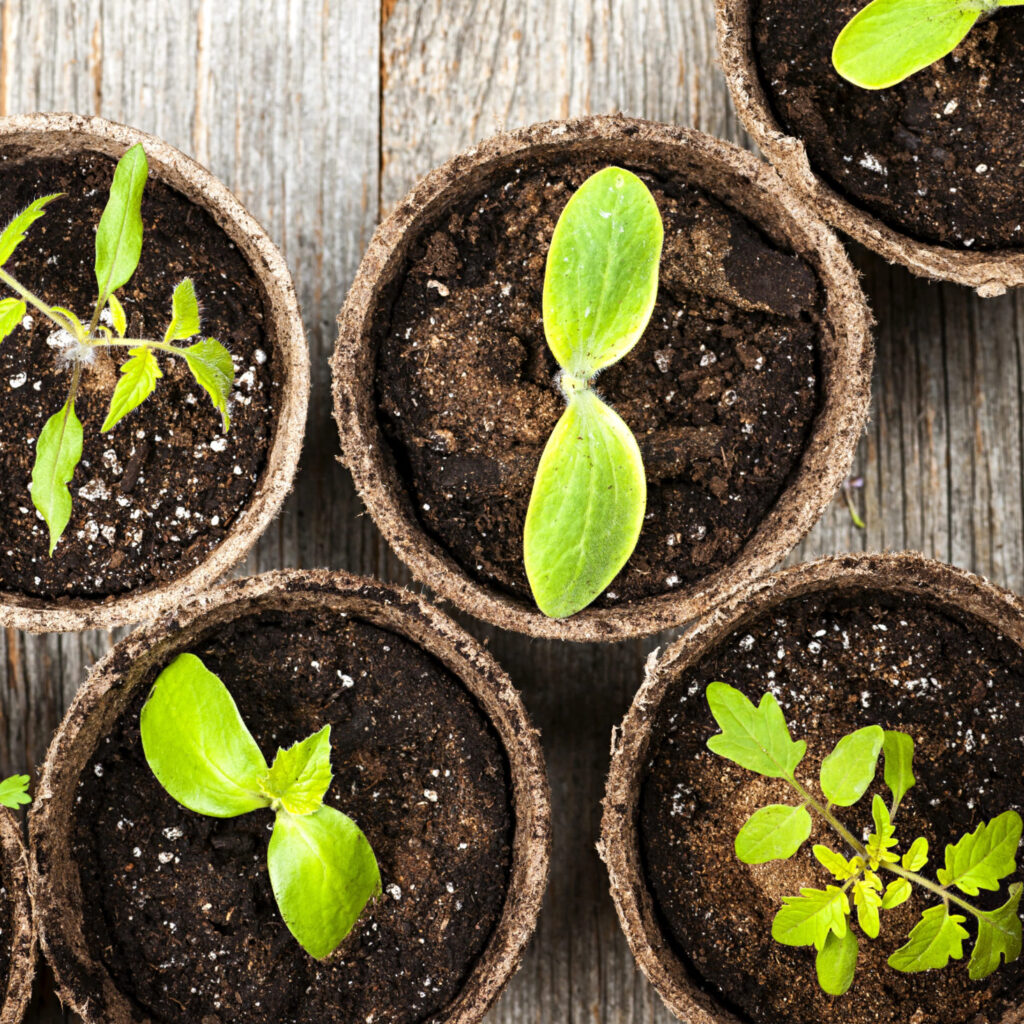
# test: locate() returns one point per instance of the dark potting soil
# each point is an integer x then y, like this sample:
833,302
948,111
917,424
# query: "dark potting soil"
835,664
6,930
721,391
939,156
179,906
156,494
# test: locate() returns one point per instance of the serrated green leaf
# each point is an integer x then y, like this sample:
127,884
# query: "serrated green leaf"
601,278
981,858
836,963
837,865
323,873
117,315
889,40
881,841
774,832
184,312
898,753
137,382
896,892
999,937
197,745
847,772
300,775
917,856
807,919
58,452
14,792
754,738
11,313
211,365
936,938
14,234
119,235
867,901
586,508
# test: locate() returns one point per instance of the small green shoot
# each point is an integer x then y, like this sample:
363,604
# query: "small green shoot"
890,40
322,868
118,250
758,739
14,791
590,491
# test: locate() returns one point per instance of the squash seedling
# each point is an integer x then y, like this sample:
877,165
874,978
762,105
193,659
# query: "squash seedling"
890,40
118,249
322,869
590,492
758,739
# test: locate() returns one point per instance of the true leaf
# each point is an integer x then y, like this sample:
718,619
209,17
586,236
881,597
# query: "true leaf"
917,856
14,234
323,873
775,832
847,772
197,745
936,938
601,278
881,841
136,383
58,452
300,775
999,937
71,317
896,892
211,365
836,962
184,312
117,315
806,920
119,235
11,313
754,738
982,857
586,509
898,754
837,865
867,902
14,791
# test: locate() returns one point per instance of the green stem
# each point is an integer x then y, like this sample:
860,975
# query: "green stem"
135,343
33,300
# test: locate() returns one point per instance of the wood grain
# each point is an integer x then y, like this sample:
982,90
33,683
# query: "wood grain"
320,114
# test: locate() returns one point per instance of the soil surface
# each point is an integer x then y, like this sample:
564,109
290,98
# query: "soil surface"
179,906
6,931
939,156
835,664
721,391
155,495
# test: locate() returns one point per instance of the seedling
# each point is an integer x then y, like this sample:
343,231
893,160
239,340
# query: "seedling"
758,739
890,40
118,248
590,491
14,791
322,869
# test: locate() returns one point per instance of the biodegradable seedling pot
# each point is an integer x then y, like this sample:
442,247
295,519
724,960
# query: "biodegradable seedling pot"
443,383
18,938
433,756
853,189
844,642
166,502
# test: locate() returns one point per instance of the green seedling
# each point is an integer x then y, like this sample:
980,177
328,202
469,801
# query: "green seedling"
14,792
890,40
322,869
118,249
590,491
873,875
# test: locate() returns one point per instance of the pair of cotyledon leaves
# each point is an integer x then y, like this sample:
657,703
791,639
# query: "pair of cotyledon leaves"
118,250
889,40
590,491
758,739
322,869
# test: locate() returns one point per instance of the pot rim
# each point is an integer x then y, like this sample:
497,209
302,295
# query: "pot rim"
199,186
904,572
745,182
22,970
989,273
83,982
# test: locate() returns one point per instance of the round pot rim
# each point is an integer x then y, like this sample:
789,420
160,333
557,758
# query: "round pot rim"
904,572
22,971
38,615
989,273
824,462
58,898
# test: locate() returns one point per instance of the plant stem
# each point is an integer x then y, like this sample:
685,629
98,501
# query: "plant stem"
136,342
33,300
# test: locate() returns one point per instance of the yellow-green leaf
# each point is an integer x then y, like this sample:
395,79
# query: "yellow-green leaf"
184,312
847,772
301,774
211,365
806,920
11,313
117,315
934,940
58,452
119,235
836,962
898,754
14,234
917,856
981,858
774,832
896,892
837,865
14,792
138,379
999,937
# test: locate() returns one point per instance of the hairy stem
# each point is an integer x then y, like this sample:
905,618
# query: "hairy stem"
163,346
37,303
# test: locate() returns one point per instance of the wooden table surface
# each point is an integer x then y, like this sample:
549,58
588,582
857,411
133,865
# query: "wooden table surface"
319,114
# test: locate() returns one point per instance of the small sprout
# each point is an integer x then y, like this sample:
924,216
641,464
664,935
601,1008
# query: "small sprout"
590,491
118,250
848,487
14,791
874,877
322,868
890,40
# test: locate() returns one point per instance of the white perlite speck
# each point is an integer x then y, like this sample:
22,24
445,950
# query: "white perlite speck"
394,891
